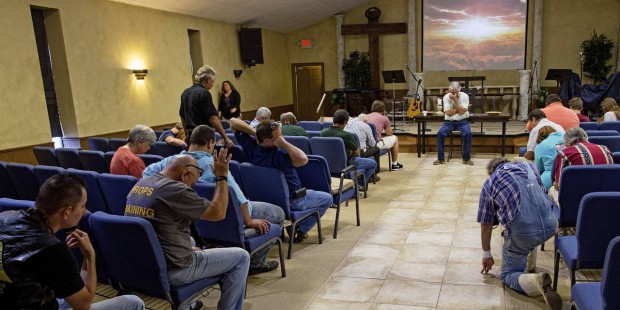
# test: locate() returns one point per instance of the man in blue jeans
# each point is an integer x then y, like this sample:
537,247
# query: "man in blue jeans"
455,105
515,194
270,149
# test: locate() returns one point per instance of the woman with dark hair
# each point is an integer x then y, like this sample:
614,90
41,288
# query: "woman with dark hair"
230,101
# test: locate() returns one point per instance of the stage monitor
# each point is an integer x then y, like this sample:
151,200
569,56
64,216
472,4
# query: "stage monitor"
474,35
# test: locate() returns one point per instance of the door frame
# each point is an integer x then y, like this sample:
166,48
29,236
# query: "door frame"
294,81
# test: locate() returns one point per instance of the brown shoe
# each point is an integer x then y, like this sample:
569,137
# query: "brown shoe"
439,162
468,162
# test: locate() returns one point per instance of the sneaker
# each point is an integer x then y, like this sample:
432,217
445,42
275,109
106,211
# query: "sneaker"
468,162
197,305
397,166
300,237
267,267
376,178
439,162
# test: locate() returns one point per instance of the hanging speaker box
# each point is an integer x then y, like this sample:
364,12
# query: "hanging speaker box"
251,42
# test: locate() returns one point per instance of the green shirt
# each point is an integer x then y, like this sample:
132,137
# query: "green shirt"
293,130
349,141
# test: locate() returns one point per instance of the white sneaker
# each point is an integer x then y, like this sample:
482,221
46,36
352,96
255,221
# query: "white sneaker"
534,284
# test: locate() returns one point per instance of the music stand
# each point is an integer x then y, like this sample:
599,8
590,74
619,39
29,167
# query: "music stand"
558,75
394,76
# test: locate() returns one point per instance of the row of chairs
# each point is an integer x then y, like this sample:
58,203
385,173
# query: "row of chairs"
97,161
112,144
611,125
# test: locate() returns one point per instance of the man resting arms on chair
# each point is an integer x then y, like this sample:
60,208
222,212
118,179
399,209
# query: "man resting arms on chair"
172,206
256,214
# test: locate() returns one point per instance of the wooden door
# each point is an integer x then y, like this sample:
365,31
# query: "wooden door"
308,89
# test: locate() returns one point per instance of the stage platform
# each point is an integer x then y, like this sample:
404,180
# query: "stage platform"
487,137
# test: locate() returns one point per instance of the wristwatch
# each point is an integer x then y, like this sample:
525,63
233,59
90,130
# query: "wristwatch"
221,178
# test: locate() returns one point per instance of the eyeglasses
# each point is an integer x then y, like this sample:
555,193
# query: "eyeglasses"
200,171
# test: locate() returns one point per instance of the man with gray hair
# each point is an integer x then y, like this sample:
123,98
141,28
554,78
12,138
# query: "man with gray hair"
126,160
261,114
455,105
197,105
578,151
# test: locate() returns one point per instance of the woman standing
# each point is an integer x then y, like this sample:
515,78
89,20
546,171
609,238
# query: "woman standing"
230,101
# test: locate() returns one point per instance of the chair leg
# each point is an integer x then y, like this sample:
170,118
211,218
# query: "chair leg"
282,267
556,268
357,209
450,150
337,218
572,277
291,236
318,226
390,160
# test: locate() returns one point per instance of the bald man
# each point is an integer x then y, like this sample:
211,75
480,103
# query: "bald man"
168,202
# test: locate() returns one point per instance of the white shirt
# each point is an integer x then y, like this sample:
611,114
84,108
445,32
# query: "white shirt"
449,104
531,142
363,132
609,116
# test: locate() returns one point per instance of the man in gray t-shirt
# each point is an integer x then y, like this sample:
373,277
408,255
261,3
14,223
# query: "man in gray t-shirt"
168,202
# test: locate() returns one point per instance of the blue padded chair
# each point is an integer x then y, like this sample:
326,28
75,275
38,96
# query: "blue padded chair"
597,224
315,175
333,150
594,133
232,138
150,158
230,231
383,151
69,158
96,201
98,144
589,125
611,142
225,124
218,137
25,182
268,185
235,170
7,188
310,125
115,143
238,154
158,134
313,133
45,155
115,189
108,157
93,161
611,125
572,188
135,259
42,173
604,294
7,204
326,125
616,156
301,142
164,149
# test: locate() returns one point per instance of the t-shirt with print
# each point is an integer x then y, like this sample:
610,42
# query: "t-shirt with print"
170,206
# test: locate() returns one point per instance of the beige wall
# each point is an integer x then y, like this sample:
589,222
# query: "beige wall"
103,42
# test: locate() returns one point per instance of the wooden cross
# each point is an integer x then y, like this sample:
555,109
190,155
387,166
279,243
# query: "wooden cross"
374,29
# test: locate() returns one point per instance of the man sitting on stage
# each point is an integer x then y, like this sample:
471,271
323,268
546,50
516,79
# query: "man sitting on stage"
455,105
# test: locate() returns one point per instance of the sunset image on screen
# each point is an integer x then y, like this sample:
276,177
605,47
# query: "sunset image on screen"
474,35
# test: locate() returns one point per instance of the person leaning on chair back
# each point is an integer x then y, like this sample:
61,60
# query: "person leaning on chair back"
456,115
289,125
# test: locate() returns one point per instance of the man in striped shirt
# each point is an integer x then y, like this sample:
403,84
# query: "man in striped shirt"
515,194
578,151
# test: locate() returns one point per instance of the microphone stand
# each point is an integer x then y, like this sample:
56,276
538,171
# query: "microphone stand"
417,90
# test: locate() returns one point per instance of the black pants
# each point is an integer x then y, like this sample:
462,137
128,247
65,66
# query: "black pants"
372,151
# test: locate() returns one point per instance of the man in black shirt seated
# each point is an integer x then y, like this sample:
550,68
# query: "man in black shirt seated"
36,267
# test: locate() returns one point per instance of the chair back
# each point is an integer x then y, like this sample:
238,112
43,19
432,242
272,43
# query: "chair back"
573,188
597,223
115,189
265,184
315,174
610,125
108,157
310,125
98,144
45,155
238,154
7,188
150,159
230,229
616,156
326,124
158,134
96,201
301,142
373,128
7,204
164,149
132,253
42,173
610,282
595,133
611,142
589,125
235,170
25,182
115,143
69,158
333,150
94,161
313,133
225,124
232,138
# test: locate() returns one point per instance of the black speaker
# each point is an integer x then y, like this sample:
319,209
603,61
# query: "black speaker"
251,42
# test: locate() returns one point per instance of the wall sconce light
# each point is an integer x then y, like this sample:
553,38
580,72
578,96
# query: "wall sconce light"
237,73
140,74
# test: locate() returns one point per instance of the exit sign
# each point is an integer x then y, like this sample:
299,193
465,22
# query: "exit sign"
306,43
